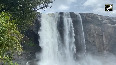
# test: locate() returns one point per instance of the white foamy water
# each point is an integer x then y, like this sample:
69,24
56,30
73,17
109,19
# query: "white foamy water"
52,52
56,52
48,40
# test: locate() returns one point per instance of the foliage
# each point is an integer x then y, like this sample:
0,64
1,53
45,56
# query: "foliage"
24,11
10,37
16,16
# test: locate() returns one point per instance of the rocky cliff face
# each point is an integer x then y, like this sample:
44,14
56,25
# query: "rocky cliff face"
100,34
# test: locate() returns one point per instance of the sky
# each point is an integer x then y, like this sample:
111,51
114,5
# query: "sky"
82,6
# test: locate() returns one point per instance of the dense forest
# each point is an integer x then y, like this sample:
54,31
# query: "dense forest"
16,16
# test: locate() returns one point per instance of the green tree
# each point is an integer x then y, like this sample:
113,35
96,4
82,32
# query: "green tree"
23,11
16,16
10,38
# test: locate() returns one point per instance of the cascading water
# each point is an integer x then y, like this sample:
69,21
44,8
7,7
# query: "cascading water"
52,52
49,40
82,35
69,38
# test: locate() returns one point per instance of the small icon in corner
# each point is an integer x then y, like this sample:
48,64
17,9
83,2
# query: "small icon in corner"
108,7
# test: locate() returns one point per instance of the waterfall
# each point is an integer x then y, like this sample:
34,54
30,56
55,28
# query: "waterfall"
57,48
82,35
69,37
49,40
52,52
